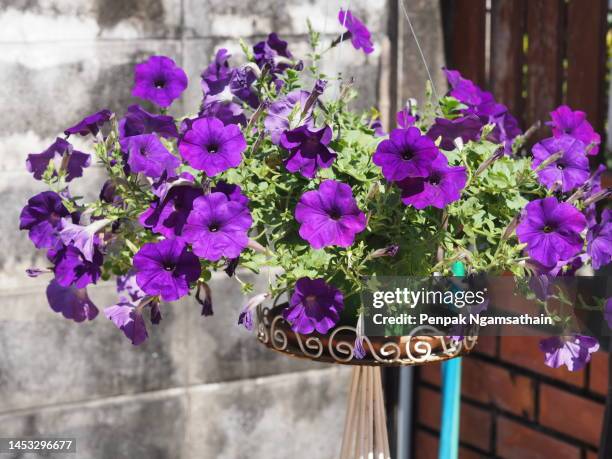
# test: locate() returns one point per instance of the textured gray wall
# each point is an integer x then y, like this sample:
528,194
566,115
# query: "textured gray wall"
200,387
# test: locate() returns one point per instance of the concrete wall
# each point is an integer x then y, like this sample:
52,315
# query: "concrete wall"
200,387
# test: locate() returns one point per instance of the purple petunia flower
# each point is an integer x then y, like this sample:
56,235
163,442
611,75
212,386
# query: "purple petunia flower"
63,156
278,121
565,121
228,112
329,215
147,154
129,320
73,269
360,35
241,86
482,104
466,128
73,303
314,305
571,169
218,227
218,74
572,351
406,153
405,119
209,146
138,121
128,288
169,215
233,192
551,230
599,241
308,150
166,268
245,317
272,51
90,124
83,238
377,127
442,185
159,80
42,216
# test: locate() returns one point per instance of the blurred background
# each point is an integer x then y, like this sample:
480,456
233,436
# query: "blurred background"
202,387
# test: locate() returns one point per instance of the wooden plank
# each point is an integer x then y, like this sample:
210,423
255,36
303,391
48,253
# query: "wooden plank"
586,59
507,57
467,40
544,58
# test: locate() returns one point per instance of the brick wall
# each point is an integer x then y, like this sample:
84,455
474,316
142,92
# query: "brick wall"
515,407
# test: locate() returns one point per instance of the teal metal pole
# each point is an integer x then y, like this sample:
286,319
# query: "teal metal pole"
451,398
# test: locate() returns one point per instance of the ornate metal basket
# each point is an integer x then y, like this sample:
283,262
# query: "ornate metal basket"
422,346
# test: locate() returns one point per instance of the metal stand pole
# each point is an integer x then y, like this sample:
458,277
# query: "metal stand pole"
404,413
451,398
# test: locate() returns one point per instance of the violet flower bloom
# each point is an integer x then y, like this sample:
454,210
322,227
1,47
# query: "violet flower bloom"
405,119
166,268
377,127
42,217
314,305
271,51
218,227
329,216
76,161
168,216
277,120
406,153
233,192
90,124
159,80
228,112
218,74
308,150
575,124
360,35
551,230
466,128
73,303
572,351
245,317
571,169
83,238
73,269
505,131
129,320
599,241
138,121
128,288
241,86
209,146
440,187
147,154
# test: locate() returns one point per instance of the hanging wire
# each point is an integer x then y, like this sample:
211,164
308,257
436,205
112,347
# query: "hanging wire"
433,85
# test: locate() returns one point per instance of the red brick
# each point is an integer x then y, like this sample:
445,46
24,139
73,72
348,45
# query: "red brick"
487,345
591,455
598,376
525,352
430,373
488,383
570,414
475,424
515,441
426,447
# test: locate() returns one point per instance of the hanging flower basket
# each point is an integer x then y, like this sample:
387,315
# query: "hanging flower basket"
338,346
